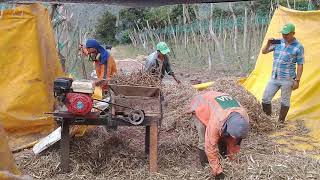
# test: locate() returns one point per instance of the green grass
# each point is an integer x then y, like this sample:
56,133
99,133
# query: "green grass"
128,51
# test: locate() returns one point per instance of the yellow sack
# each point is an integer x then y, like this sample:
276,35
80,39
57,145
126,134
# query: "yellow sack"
29,64
6,160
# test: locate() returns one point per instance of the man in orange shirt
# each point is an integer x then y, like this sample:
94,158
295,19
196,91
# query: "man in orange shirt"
221,123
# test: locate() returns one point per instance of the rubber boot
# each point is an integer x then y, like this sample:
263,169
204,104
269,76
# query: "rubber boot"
267,109
203,158
283,113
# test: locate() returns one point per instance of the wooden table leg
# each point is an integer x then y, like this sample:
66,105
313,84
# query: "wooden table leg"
65,146
153,154
147,140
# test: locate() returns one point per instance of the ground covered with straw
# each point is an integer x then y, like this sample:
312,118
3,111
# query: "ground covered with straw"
120,154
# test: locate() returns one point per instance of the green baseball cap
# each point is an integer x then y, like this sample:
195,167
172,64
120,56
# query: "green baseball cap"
288,28
163,48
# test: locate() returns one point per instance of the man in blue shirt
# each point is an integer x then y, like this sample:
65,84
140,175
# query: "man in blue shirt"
287,54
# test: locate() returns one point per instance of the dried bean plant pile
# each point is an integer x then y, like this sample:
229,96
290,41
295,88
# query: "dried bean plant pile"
137,78
259,120
120,155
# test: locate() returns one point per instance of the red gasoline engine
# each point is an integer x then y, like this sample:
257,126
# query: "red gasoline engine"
75,95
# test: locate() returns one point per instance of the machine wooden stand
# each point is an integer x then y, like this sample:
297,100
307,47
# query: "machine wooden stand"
143,98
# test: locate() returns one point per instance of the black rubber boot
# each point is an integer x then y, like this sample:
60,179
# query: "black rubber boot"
203,158
283,113
267,109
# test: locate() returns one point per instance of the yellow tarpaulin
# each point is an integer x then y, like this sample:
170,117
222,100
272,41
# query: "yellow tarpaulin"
7,163
305,102
28,66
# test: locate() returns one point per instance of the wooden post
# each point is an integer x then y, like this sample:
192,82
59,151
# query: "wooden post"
153,155
147,140
53,10
65,146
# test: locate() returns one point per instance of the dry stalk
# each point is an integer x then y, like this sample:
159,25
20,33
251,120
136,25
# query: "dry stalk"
138,78
121,156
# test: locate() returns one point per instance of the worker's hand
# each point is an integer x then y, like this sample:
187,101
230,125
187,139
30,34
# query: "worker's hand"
270,41
295,85
266,48
80,46
220,176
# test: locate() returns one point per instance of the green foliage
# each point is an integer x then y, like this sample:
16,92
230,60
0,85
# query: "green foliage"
261,7
128,17
157,17
176,14
123,37
106,29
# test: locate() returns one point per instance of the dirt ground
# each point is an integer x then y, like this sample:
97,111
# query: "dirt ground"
120,154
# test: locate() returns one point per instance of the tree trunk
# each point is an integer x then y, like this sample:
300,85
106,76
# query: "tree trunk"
250,34
220,27
225,33
185,27
245,28
215,38
132,39
139,34
150,34
186,11
195,41
271,9
209,59
173,32
235,27
288,4
53,10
